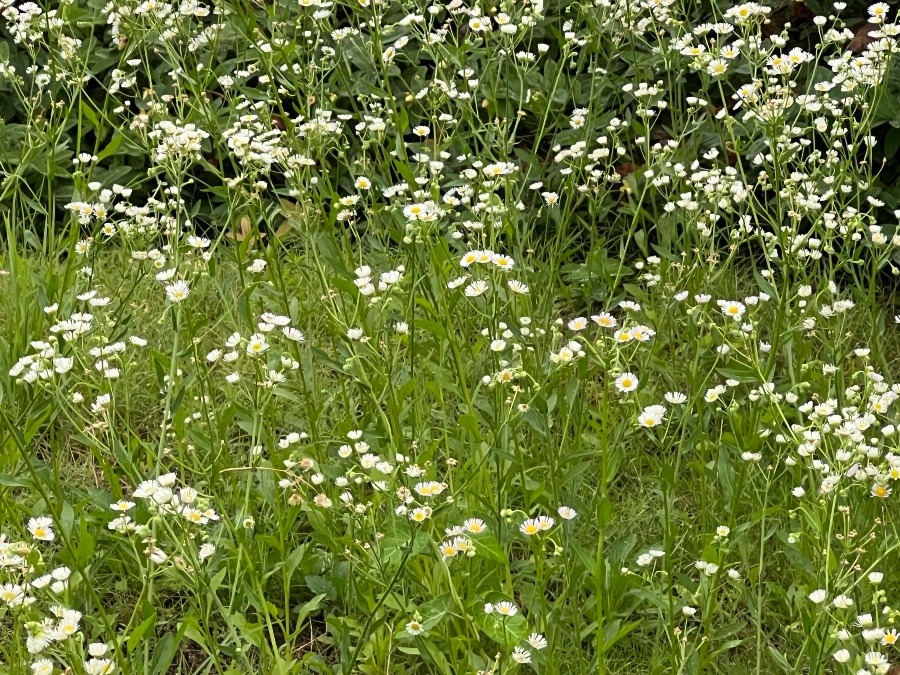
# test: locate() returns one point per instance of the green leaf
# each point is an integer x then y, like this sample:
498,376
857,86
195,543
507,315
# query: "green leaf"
138,633
89,114
308,607
892,143
614,631
14,481
190,629
111,147
282,666
766,286
743,374
487,546
86,545
66,519
165,652
216,580
320,585
432,327
469,422
726,472
780,659
433,611
506,632
434,656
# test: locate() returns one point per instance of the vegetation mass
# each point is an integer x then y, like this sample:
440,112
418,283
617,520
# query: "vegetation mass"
465,337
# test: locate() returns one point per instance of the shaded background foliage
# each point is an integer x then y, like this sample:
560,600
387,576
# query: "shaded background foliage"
40,172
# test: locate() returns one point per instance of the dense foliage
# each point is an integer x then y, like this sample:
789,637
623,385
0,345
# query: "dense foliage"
388,336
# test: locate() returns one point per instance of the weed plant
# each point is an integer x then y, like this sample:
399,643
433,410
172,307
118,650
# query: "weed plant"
394,336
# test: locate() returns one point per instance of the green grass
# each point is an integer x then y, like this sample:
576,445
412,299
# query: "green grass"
449,472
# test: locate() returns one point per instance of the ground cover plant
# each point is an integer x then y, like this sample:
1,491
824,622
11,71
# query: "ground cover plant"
394,336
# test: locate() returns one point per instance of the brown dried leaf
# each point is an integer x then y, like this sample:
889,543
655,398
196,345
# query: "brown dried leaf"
245,233
863,37
282,230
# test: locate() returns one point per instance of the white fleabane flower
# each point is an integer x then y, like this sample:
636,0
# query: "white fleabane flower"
41,528
476,288
293,334
178,291
537,641
521,655
257,266
626,382
42,667
566,512
818,596
652,416
97,666
257,344
97,649
517,287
